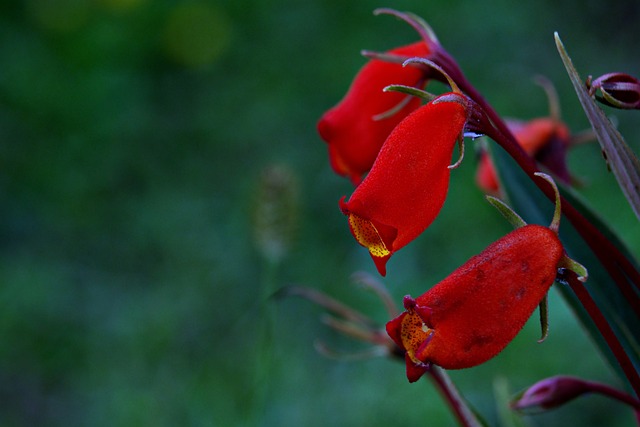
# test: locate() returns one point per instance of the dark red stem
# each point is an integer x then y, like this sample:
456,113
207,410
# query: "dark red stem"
616,264
614,394
613,260
617,395
450,393
619,267
607,333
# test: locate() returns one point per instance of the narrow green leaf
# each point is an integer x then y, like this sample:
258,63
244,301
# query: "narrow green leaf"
410,90
505,210
525,198
621,159
544,318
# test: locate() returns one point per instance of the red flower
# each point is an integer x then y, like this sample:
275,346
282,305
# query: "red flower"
409,180
486,177
352,130
545,139
473,314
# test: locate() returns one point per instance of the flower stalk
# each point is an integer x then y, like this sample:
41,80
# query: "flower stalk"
456,402
360,327
605,329
558,390
613,260
619,267
402,194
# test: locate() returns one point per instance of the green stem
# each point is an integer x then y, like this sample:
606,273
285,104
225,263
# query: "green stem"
263,364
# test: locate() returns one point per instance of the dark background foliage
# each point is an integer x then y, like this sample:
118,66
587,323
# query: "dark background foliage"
134,139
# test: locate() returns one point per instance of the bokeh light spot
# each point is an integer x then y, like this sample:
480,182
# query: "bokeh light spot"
196,34
122,5
60,15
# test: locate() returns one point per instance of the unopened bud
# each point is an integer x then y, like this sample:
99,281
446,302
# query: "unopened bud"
555,391
618,90
550,393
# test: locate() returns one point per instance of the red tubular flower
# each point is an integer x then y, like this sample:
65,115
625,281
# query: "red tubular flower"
409,180
486,177
546,139
352,130
473,314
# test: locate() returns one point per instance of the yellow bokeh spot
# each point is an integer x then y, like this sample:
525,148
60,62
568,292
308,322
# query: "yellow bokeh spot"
367,235
196,34
61,16
122,5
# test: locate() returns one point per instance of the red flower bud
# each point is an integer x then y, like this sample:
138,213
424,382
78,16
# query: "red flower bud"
473,314
352,130
552,392
556,391
618,90
486,177
545,139
409,180
535,134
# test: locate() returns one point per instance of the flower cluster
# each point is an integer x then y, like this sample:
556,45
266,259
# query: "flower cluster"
398,153
357,126
395,142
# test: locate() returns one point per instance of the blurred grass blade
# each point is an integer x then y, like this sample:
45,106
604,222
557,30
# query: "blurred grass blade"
621,159
525,198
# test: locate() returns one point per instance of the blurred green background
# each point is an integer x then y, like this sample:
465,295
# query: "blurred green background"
144,146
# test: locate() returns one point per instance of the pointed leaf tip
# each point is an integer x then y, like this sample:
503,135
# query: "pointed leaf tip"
514,219
622,160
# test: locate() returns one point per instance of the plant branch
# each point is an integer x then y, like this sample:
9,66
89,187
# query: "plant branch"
618,266
613,260
605,329
617,395
455,400
614,394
